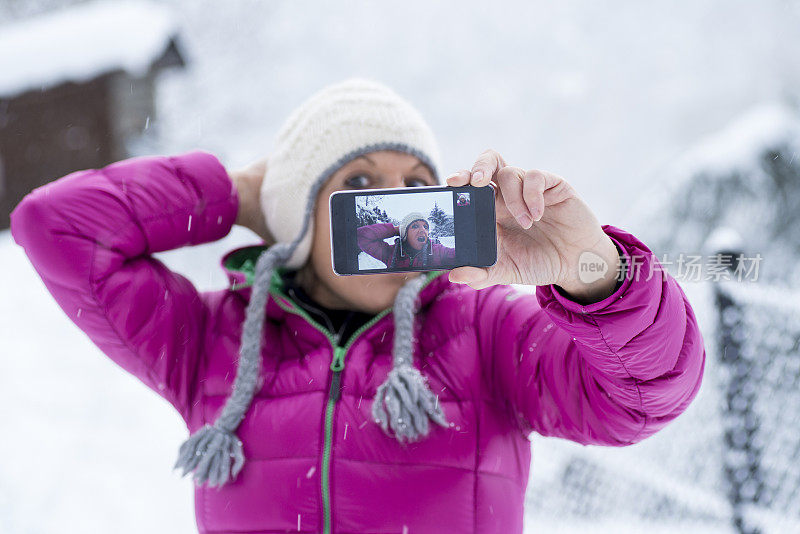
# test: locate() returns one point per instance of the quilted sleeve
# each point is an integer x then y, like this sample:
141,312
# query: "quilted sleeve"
371,240
612,372
90,236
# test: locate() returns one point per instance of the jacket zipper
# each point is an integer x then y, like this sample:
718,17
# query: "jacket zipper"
334,392
337,365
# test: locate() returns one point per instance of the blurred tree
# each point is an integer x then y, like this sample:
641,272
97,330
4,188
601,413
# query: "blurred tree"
442,223
372,215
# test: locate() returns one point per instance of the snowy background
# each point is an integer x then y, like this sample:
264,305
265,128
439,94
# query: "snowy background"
622,98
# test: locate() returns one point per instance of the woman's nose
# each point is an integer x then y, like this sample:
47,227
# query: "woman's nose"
395,181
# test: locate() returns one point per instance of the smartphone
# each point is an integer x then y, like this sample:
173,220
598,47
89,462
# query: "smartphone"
428,228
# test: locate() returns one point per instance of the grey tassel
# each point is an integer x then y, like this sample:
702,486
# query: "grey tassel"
404,402
214,453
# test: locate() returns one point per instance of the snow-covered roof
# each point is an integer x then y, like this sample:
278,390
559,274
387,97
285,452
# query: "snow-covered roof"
737,147
82,42
741,143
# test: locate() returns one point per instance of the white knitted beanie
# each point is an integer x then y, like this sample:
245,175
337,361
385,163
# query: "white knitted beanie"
408,219
332,127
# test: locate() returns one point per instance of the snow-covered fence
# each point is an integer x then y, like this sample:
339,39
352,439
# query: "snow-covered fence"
758,338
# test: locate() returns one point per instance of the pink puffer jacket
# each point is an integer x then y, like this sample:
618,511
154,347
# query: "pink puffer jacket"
503,363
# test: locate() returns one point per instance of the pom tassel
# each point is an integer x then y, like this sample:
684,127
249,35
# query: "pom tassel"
214,455
405,403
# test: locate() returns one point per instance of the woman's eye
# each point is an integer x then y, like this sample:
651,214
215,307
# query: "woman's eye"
416,182
359,180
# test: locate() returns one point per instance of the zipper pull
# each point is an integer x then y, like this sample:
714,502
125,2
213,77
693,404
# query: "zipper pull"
336,366
338,359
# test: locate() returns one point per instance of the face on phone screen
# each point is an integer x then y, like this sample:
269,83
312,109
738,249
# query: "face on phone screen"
393,230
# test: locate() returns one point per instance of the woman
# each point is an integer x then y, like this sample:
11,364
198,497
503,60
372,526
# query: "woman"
309,396
413,249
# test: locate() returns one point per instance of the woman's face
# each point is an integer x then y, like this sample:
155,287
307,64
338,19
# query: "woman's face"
417,234
367,292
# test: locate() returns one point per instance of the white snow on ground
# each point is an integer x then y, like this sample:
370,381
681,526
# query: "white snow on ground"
85,447
82,42
365,261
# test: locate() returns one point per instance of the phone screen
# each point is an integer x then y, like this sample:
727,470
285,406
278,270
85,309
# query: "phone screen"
412,229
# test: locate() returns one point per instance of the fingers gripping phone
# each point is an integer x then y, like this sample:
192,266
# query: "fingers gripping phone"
412,229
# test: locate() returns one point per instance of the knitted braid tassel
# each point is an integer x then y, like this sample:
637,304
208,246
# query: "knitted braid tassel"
214,453
404,402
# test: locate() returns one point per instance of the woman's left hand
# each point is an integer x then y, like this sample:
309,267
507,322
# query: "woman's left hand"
545,233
